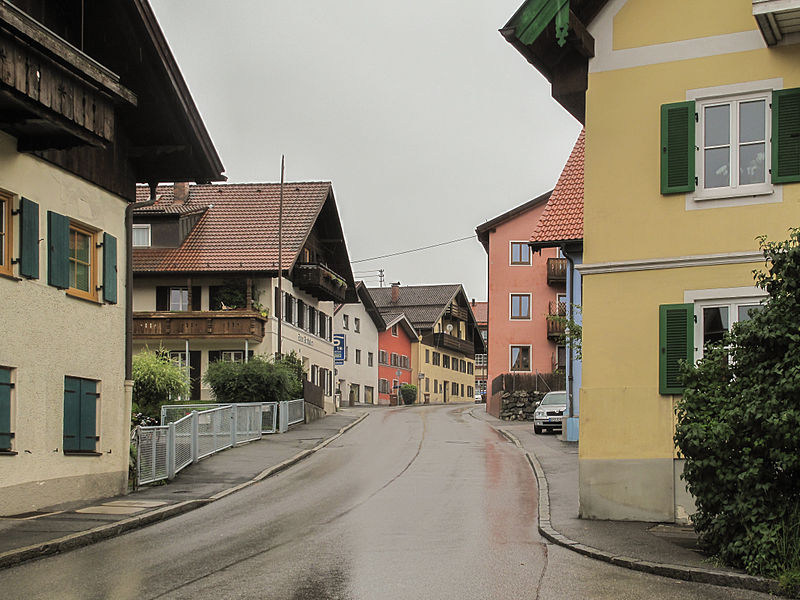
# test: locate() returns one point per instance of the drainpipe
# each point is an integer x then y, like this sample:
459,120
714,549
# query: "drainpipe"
129,278
570,272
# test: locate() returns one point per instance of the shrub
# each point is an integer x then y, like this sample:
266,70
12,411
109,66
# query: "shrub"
295,365
258,380
156,380
408,393
737,429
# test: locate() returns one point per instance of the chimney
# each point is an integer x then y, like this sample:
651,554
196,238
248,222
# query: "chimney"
396,292
473,302
180,192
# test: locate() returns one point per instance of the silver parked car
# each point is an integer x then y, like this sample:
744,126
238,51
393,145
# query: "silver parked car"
549,412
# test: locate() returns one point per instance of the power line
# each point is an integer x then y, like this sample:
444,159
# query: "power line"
413,250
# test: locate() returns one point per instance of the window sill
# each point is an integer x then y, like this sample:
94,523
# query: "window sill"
699,201
82,453
84,298
5,275
8,453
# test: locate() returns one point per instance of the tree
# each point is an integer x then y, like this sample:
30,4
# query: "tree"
157,380
737,425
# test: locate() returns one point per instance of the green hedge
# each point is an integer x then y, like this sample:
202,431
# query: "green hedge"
261,379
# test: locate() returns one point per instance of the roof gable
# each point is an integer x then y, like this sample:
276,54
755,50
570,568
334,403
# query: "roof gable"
486,228
239,229
562,219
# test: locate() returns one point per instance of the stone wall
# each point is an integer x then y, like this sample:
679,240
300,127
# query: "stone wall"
519,405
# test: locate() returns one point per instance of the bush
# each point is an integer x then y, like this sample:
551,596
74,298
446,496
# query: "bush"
258,380
408,393
295,364
737,429
156,380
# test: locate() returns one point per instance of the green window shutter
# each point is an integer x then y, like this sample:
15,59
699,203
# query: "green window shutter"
786,135
88,422
72,413
677,147
676,341
57,250
5,409
29,239
109,268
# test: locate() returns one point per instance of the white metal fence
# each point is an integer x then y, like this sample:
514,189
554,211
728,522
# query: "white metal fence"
296,411
171,413
162,451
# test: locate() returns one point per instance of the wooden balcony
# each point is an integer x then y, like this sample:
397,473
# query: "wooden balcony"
451,342
556,329
556,271
456,312
221,324
319,281
52,95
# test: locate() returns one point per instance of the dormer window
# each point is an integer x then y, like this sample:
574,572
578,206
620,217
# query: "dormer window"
141,235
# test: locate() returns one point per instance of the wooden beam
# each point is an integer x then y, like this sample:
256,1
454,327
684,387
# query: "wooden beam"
580,39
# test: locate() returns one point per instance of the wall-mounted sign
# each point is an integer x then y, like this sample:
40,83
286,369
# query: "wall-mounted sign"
338,348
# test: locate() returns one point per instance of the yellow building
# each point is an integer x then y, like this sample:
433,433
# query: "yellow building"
692,151
443,361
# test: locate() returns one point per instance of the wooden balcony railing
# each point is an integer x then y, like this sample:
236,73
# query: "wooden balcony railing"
556,328
319,281
556,271
221,324
451,342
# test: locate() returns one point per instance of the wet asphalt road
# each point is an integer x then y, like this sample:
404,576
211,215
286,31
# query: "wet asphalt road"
419,502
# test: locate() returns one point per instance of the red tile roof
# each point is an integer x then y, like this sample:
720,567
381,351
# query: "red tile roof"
239,230
481,312
562,219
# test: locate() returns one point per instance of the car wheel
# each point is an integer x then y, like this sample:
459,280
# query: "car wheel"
537,429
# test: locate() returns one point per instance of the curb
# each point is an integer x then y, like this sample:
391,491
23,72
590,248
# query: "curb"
12,558
90,536
693,574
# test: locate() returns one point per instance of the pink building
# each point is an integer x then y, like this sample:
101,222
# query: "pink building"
524,288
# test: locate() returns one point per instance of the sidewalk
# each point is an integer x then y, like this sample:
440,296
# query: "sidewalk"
31,536
663,549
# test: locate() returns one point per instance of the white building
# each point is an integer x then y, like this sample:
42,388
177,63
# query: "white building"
358,325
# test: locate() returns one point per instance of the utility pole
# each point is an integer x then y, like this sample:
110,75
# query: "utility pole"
279,300
380,274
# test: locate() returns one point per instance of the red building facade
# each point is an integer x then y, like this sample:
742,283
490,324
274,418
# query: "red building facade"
394,358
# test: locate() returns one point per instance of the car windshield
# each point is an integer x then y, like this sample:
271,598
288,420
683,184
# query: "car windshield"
554,398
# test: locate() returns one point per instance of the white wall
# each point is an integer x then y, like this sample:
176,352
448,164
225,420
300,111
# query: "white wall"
367,341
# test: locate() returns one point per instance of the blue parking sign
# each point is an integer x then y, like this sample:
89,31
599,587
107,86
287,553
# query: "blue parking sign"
338,348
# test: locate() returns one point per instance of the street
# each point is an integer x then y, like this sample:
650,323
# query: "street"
416,502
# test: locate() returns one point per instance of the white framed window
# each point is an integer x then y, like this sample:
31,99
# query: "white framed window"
733,154
716,310
345,322
520,254
141,235
520,358
232,356
179,298
520,306
357,325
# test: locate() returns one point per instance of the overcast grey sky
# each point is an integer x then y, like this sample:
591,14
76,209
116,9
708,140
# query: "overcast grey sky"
426,121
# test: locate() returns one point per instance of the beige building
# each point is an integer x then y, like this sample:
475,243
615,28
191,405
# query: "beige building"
206,282
66,179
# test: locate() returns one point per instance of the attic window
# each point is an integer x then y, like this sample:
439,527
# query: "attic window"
141,236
